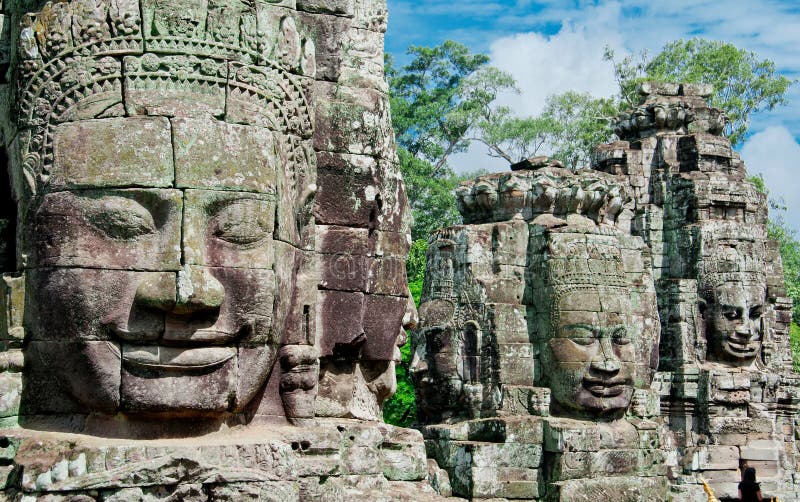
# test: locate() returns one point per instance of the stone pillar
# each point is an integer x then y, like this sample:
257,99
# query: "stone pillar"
726,383
555,402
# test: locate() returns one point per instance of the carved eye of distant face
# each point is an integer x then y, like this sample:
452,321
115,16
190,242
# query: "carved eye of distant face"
119,217
756,312
241,223
732,313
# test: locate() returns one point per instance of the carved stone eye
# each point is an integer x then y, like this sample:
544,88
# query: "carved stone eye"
119,217
620,337
241,223
732,314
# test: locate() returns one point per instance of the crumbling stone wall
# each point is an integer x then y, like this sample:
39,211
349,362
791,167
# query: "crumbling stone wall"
725,380
538,342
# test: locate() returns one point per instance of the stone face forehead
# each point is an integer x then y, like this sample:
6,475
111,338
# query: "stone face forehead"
109,98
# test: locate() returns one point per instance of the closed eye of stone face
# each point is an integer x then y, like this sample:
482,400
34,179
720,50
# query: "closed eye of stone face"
620,336
581,334
241,222
118,217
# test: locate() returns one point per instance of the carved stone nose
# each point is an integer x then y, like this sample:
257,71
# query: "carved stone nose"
197,290
607,365
190,290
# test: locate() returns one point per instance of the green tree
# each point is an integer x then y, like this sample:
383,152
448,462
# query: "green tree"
430,194
570,126
513,138
743,83
438,100
439,97
583,122
789,246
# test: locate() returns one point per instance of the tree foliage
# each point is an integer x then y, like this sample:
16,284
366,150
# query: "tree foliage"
743,83
430,194
570,126
439,97
583,122
437,101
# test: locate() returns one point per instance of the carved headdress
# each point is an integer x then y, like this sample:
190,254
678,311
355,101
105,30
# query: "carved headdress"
244,62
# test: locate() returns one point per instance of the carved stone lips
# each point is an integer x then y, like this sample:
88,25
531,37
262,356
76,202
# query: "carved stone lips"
605,388
743,346
207,336
175,358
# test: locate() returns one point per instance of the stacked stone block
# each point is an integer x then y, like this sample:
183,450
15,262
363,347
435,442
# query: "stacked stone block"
513,405
210,252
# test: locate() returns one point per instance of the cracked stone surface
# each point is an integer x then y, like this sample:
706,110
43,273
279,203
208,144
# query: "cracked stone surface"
180,172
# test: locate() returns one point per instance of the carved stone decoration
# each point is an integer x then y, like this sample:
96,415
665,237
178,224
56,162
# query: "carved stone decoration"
176,180
581,285
152,237
538,340
594,319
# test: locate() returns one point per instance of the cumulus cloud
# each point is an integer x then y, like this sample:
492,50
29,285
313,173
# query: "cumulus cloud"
572,59
775,154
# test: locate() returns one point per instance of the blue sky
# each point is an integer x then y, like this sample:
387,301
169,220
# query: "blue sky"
554,46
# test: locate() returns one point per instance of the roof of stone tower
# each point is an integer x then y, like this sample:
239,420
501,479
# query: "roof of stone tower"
547,195
670,108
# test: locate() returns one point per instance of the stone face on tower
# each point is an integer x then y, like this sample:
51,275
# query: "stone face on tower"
211,235
544,318
727,388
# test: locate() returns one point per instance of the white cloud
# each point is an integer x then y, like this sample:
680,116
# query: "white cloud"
572,59
775,154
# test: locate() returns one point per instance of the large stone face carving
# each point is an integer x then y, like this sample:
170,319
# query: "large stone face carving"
212,234
159,216
537,342
596,330
725,378
733,289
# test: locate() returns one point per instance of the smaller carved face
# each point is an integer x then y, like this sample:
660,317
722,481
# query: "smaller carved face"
734,315
590,357
437,368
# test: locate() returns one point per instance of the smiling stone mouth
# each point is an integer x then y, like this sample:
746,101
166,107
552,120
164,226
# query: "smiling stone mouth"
601,388
175,358
743,346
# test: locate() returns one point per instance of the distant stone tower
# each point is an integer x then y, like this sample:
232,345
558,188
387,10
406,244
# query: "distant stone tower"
539,332
725,378
538,342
